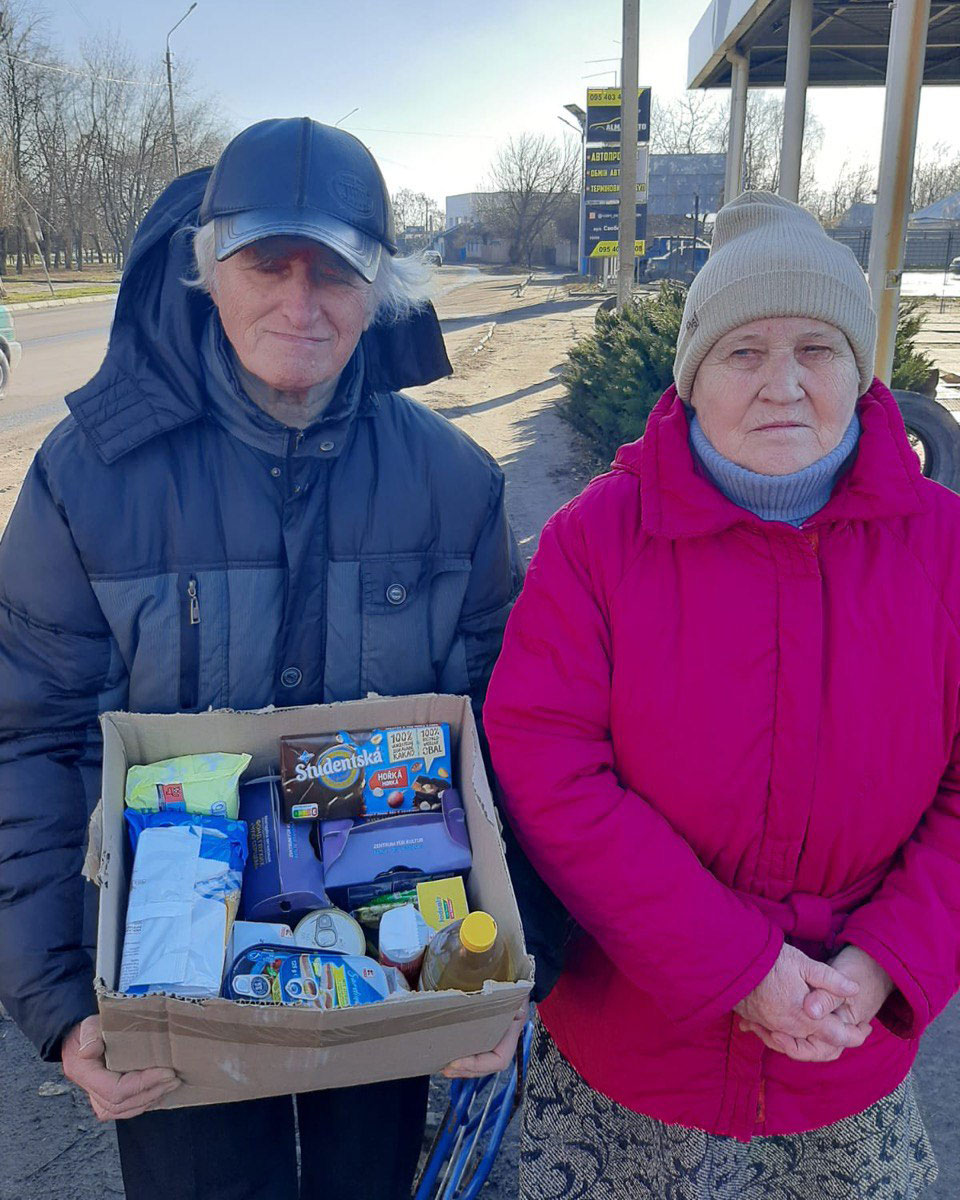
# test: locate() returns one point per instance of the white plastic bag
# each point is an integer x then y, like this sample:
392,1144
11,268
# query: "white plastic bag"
176,930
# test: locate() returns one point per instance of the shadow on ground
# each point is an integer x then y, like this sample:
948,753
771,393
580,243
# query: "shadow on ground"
547,308
463,410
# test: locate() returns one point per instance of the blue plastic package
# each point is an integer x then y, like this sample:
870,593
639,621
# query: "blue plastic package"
221,840
184,894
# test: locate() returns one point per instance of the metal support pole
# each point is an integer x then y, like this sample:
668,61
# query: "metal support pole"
905,60
740,73
629,84
173,125
795,97
583,263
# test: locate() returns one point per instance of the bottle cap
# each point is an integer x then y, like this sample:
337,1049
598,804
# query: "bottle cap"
478,932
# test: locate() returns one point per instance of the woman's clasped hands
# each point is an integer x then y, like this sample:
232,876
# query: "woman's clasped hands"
813,1011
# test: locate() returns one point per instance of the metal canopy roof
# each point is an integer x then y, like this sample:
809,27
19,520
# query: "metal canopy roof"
848,43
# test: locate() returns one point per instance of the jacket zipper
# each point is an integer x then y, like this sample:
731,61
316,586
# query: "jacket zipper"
189,642
761,1114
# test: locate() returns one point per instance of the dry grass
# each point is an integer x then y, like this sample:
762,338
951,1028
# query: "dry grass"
13,298
91,273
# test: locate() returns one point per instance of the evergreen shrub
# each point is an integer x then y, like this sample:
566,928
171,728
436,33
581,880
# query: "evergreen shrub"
616,376
911,367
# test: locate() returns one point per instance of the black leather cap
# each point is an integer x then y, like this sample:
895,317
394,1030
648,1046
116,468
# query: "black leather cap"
296,177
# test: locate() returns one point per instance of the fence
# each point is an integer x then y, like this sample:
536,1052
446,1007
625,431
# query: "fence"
926,249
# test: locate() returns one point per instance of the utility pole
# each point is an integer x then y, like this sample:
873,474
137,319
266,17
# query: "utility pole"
173,124
583,263
629,86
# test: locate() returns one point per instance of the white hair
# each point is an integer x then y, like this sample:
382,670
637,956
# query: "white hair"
402,285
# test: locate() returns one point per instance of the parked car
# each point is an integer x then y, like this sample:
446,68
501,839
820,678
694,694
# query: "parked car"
9,348
434,257
681,264
955,265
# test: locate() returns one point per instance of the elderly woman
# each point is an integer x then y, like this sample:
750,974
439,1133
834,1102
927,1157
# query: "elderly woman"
725,723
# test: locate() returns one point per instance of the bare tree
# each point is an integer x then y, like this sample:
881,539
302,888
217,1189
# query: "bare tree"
416,209
762,140
761,143
417,217
61,181
936,174
80,198
21,47
205,137
202,131
130,147
694,123
854,184
86,146
530,180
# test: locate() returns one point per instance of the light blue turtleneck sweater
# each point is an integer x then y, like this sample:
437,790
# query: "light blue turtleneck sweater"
790,498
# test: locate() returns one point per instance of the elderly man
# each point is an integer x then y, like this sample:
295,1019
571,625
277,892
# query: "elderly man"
239,511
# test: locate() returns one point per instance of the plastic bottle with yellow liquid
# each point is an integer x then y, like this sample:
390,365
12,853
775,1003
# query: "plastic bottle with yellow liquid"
464,954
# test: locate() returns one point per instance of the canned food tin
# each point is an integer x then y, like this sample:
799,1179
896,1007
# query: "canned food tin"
279,975
330,929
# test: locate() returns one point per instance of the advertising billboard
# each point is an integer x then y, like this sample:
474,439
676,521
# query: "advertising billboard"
601,174
601,230
603,115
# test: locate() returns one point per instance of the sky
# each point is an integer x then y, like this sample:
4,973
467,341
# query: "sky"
437,87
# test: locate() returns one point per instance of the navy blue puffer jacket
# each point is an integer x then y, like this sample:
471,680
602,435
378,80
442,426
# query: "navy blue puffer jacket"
173,548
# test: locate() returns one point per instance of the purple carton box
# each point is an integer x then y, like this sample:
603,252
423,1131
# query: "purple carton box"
434,843
283,878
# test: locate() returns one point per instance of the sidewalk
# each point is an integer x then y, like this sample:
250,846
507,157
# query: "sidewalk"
940,338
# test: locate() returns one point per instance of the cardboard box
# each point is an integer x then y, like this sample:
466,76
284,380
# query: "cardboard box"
225,1050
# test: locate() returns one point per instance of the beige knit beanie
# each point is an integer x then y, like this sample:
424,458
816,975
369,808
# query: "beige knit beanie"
771,258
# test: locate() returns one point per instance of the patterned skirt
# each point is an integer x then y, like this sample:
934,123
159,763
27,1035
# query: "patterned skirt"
577,1143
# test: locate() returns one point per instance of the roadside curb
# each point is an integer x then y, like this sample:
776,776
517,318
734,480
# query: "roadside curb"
20,305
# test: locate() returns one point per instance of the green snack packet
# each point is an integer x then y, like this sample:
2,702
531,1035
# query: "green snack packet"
369,914
203,784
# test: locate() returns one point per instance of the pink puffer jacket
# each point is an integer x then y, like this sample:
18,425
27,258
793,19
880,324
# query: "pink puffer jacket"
712,729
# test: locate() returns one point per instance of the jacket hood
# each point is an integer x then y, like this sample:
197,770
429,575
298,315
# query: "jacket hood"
151,380
679,501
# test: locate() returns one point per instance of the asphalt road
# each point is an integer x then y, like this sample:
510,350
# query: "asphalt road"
50,1144
62,347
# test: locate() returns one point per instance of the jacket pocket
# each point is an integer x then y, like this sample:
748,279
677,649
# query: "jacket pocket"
189,591
410,610
216,648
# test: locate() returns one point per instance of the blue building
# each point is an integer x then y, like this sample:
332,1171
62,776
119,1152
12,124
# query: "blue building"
681,184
